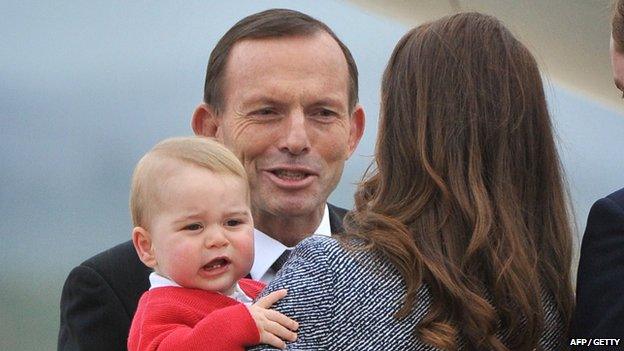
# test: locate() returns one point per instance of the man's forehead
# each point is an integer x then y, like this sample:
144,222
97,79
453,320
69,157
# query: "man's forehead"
268,66
311,39
283,97
260,51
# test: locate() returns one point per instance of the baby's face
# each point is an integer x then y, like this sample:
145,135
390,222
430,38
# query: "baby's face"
202,231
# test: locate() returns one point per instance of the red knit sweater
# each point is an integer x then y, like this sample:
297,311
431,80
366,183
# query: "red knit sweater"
173,318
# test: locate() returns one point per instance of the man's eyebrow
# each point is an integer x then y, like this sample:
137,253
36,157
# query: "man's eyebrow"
259,99
329,101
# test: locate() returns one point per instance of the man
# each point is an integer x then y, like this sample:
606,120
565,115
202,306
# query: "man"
599,310
281,92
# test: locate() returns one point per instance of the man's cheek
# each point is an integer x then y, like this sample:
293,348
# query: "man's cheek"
337,152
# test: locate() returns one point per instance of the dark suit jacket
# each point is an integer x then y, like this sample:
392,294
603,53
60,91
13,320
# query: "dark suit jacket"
101,295
600,282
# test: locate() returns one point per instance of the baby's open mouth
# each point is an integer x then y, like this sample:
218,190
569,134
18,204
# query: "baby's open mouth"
216,263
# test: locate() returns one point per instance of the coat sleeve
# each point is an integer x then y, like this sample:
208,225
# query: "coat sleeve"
309,281
170,327
92,316
600,280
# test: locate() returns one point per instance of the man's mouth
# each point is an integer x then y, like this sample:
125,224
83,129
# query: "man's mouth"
290,174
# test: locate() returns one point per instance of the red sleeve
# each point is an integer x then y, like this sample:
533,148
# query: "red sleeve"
172,326
251,287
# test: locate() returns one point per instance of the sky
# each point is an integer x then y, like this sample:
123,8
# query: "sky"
86,88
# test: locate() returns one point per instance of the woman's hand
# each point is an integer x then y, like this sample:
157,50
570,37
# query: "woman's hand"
273,326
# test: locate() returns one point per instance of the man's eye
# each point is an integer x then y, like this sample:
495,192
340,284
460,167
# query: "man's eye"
325,113
264,112
193,227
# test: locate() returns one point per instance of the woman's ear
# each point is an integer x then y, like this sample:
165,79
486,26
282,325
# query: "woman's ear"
142,241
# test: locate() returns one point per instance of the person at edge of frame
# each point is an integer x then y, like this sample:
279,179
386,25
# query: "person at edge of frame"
599,310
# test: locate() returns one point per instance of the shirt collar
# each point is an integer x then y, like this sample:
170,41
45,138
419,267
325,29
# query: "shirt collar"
267,249
159,281
240,296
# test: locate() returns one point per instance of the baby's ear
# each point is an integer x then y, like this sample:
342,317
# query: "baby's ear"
142,241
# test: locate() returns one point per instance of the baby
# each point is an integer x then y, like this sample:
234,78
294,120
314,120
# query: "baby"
193,226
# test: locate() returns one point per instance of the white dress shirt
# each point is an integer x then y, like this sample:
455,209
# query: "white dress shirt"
159,281
267,250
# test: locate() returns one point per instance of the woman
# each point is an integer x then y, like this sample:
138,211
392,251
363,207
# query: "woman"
600,279
460,237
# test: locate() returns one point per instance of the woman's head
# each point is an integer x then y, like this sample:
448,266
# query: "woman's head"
464,99
467,193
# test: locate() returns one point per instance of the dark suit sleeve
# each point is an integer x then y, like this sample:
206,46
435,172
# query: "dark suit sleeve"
600,281
92,315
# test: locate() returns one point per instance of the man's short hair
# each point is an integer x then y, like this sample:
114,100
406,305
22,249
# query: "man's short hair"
273,23
197,151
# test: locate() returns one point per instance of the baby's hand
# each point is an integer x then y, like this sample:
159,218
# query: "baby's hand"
273,326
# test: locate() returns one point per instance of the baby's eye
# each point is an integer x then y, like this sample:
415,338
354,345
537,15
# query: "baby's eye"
233,222
193,227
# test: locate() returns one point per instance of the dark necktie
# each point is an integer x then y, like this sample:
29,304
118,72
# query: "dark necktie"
277,265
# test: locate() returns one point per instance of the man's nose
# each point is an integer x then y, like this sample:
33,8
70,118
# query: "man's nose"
296,140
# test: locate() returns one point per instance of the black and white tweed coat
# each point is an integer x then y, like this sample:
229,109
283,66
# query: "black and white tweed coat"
345,300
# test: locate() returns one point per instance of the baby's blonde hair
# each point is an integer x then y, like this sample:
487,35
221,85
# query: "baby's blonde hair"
149,173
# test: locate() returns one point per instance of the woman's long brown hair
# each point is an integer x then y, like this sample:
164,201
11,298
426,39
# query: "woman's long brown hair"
467,194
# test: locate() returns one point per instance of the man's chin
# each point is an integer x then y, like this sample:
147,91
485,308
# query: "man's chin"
292,207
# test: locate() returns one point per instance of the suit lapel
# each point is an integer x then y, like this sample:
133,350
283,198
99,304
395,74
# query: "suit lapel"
336,215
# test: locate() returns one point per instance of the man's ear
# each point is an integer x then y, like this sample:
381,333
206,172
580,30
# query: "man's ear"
357,127
205,121
142,241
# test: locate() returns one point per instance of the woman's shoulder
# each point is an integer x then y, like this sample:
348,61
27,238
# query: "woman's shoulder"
346,259
330,249
320,243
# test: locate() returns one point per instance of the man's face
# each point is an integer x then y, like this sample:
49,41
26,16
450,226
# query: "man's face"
286,116
617,64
